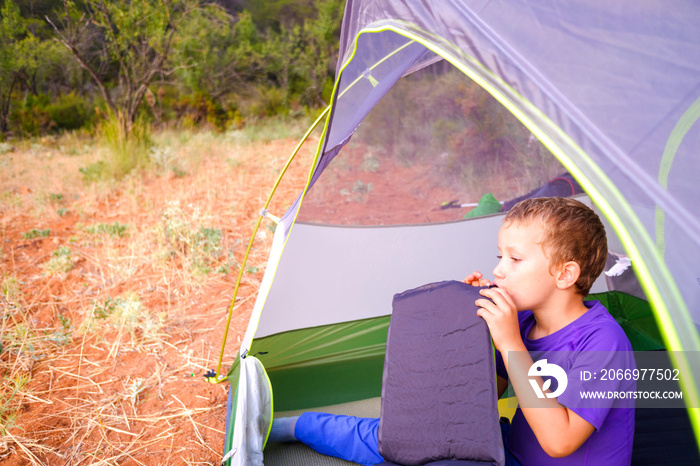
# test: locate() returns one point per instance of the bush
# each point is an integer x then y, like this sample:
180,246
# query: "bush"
199,109
32,118
40,115
271,102
69,111
127,150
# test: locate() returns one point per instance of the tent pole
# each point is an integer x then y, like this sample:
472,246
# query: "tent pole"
217,377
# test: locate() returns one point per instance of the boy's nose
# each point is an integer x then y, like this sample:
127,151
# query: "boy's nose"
497,271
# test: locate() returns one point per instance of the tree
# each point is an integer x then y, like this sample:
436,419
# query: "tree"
317,57
211,47
12,34
137,38
301,56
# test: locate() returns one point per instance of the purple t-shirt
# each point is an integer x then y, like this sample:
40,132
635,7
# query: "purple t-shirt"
592,342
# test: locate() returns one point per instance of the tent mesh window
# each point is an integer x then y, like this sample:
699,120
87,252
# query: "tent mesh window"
435,142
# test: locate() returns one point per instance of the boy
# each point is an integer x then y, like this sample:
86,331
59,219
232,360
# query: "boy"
550,252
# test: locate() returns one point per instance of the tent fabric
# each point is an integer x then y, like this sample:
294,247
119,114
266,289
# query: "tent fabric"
253,413
563,185
439,396
612,89
564,69
325,365
366,266
636,318
663,436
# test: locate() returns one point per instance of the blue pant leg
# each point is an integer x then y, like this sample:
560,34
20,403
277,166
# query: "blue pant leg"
347,437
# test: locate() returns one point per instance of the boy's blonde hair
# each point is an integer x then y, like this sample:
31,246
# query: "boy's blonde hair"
572,232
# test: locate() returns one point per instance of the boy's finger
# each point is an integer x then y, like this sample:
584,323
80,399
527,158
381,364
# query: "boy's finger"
496,299
497,294
484,314
486,304
503,294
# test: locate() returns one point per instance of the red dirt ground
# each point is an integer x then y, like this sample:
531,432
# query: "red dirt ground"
80,406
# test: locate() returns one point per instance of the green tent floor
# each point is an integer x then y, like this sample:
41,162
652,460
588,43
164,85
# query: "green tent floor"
298,454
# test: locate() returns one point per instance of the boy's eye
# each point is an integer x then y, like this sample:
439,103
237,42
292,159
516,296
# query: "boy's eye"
515,259
499,257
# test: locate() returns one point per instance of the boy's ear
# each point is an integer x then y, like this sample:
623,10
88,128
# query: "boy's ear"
568,275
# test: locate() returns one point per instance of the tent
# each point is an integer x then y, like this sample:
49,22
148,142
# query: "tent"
610,89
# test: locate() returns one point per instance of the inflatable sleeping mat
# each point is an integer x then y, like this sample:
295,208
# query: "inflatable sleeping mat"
439,400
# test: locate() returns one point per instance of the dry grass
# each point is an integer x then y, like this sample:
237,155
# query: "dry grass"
104,343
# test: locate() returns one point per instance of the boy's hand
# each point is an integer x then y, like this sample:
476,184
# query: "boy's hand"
476,279
501,316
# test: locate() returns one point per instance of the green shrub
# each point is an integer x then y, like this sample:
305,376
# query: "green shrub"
200,109
127,313
111,229
182,235
36,233
127,150
6,147
10,402
93,172
32,118
270,103
69,111
60,261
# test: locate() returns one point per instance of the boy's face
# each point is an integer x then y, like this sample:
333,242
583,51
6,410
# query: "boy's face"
523,269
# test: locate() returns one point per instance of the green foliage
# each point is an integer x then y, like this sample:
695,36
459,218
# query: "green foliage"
127,314
61,336
39,114
127,24
106,309
207,46
69,111
60,261
272,14
11,292
32,118
12,24
115,229
20,60
128,149
6,147
93,172
36,233
183,236
9,400
269,58
270,102
200,109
